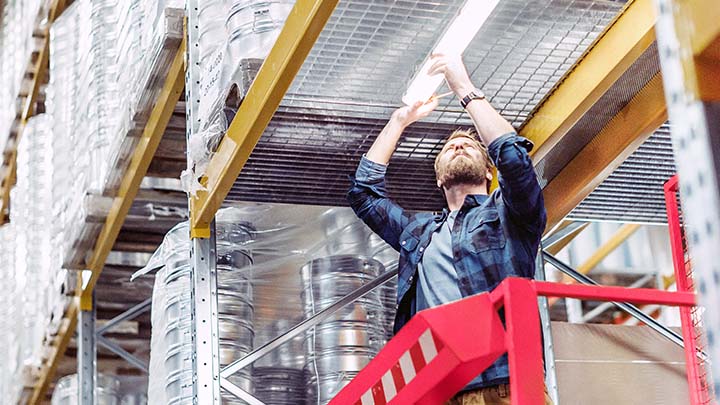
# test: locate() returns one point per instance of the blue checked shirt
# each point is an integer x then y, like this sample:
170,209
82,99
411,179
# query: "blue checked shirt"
493,238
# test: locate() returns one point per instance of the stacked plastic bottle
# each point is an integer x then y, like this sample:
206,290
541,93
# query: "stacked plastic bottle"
102,85
32,217
129,57
10,320
16,45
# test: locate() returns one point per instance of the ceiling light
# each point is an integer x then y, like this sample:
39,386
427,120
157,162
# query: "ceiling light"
453,42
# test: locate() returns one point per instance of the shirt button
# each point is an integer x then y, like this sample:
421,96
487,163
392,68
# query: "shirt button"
403,242
422,248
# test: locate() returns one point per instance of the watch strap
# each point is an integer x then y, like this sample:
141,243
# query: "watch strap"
473,95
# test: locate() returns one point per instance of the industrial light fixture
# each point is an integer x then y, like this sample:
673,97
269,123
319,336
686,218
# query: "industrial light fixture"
453,42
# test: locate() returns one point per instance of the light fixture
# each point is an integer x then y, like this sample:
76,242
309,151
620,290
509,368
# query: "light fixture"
456,38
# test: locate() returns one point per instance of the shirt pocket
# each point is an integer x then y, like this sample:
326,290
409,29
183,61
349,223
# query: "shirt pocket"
408,242
487,233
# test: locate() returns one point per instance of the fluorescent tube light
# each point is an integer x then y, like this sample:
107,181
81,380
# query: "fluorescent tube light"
453,42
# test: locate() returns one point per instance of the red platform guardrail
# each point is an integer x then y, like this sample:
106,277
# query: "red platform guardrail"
443,348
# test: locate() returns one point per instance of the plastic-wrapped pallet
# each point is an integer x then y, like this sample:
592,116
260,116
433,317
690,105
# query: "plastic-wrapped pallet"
171,375
10,340
34,265
17,22
229,60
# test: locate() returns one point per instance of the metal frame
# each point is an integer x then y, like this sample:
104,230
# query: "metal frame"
131,313
205,339
613,52
547,338
87,356
89,337
689,48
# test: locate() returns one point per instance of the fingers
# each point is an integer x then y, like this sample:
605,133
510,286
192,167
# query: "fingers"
428,107
438,67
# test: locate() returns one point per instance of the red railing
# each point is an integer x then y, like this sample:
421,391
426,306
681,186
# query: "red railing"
442,349
690,319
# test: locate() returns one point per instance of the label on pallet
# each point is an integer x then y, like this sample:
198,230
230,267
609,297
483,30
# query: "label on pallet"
211,83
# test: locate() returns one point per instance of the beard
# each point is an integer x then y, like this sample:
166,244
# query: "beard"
461,170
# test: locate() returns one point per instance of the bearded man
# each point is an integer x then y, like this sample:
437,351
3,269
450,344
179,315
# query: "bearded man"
480,238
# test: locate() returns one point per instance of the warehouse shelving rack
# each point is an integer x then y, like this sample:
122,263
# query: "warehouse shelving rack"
81,307
689,66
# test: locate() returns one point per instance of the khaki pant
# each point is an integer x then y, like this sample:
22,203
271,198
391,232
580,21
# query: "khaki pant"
497,395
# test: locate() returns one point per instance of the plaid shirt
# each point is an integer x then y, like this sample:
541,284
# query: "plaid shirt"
498,236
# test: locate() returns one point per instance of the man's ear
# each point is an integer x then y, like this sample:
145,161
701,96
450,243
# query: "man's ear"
439,184
489,176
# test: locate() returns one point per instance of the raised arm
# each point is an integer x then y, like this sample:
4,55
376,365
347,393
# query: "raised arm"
508,151
385,144
489,123
368,196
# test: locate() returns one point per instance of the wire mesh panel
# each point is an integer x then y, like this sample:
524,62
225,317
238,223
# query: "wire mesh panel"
697,363
358,70
634,191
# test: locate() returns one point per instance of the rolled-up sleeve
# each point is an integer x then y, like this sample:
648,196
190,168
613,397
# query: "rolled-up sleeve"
369,199
518,182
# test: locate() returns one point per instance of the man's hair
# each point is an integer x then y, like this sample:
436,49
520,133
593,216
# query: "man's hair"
472,136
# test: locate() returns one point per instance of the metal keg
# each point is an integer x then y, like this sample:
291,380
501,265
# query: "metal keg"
106,390
253,26
279,385
388,295
338,348
235,300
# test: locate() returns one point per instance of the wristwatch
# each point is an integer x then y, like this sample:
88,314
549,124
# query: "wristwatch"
476,94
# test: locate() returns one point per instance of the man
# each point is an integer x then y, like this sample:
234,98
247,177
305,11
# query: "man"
480,239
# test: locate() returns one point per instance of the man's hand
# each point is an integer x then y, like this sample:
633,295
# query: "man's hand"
455,73
405,116
489,123
384,146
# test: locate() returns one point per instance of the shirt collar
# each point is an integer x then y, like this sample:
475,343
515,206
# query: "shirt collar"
471,200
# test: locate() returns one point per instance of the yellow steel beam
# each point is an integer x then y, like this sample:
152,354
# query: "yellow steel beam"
57,350
298,36
620,236
598,159
616,49
608,247
698,29
143,154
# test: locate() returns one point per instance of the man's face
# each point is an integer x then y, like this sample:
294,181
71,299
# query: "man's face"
461,162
